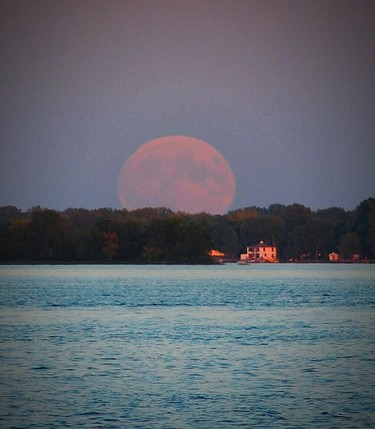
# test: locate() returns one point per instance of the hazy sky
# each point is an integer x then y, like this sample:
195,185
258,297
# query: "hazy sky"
285,90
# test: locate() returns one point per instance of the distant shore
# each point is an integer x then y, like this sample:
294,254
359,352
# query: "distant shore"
344,262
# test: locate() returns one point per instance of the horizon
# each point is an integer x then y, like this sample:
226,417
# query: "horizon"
39,207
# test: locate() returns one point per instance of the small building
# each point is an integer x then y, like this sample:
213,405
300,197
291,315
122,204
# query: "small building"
260,253
216,256
333,257
216,253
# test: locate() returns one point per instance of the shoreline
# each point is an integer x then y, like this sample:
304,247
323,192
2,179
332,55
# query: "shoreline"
344,262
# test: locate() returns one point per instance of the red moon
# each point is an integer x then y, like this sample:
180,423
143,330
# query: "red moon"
178,172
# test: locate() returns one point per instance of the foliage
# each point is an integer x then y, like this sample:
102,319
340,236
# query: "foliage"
158,235
110,245
349,245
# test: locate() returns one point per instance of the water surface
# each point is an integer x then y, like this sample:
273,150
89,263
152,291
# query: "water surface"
187,346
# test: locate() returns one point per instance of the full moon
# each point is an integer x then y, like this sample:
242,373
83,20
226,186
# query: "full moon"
177,172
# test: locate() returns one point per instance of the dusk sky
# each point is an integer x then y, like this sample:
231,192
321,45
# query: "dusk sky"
284,90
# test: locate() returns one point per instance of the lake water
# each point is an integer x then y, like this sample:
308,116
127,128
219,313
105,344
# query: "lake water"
258,346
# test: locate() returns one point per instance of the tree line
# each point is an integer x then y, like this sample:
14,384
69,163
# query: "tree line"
159,235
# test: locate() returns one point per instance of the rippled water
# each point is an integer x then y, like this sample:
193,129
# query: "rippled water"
229,346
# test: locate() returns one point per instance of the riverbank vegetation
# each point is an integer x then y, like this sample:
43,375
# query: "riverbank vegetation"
158,235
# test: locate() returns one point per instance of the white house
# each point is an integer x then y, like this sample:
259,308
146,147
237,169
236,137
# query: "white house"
260,253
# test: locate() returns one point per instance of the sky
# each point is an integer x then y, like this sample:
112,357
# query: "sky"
283,89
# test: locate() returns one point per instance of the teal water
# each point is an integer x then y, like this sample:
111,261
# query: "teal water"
263,346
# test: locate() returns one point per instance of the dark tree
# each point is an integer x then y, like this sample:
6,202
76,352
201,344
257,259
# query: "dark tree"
110,245
349,245
364,226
